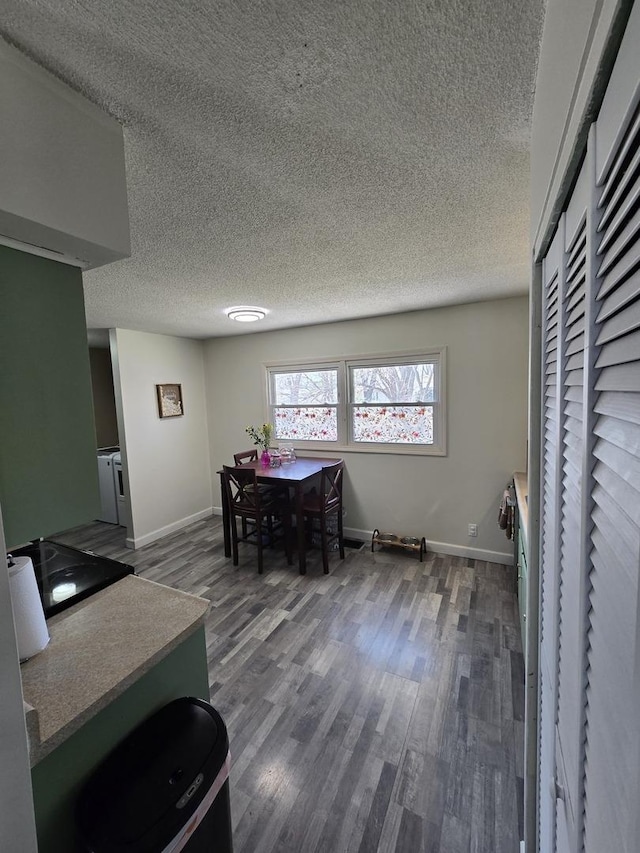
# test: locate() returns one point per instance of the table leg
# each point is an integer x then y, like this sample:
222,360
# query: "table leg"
226,522
302,558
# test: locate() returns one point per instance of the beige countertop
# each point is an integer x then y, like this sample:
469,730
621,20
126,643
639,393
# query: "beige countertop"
98,648
521,482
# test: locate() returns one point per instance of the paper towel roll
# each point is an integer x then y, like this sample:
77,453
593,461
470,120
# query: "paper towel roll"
28,615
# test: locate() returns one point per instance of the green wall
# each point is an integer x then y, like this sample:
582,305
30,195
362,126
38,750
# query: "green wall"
48,468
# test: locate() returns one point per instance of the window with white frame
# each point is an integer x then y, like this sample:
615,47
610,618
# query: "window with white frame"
373,403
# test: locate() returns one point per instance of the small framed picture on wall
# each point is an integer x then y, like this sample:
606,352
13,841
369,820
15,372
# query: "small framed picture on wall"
170,401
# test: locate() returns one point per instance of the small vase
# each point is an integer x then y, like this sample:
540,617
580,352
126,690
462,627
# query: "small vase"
265,459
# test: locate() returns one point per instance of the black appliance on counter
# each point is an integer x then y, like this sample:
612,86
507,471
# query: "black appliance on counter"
67,575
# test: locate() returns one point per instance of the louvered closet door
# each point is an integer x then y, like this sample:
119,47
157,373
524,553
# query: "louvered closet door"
552,361
590,520
572,568
612,747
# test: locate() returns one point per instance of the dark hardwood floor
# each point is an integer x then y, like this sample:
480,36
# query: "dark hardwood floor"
377,708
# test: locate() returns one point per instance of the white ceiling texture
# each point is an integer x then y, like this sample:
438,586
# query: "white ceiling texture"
326,160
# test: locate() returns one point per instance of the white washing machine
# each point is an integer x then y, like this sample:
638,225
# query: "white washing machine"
107,484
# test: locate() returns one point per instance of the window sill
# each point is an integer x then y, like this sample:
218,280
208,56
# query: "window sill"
386,450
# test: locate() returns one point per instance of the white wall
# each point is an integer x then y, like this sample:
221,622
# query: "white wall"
487,417
576,35
62,169
167,459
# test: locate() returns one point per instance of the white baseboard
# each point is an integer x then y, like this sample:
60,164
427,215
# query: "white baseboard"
504,559
140,541
500,557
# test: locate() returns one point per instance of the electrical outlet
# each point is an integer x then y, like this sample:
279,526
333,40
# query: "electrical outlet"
473,530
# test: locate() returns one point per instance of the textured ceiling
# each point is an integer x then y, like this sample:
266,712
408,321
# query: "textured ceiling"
325,160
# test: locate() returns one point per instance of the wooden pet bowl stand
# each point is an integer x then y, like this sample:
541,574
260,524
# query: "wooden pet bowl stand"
409,543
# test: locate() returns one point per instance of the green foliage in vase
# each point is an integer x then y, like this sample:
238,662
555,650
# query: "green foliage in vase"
262,436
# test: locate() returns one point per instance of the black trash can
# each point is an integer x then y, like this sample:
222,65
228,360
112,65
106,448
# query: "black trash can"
164,788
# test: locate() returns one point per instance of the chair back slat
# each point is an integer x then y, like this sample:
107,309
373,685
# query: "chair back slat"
331,485
245,456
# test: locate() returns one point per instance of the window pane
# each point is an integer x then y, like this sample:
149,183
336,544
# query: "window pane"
316,424
398,383
393,424
305,387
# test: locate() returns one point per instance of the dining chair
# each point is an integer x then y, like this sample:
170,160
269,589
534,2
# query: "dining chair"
240,459
323,506
270,518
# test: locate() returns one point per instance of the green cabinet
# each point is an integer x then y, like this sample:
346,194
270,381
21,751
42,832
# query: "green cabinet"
48,468
59,777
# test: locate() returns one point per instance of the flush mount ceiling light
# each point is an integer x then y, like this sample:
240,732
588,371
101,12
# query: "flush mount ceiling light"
246,313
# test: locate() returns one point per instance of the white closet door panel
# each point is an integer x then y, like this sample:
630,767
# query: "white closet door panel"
574,346
571,626
578,297
572,409
571,514
576,329
617,112
620,186
620,407
614,525
619,610
622,350
612,725
573,315
624,464
620,434
574,394
621,493
574,242
624,292
550,442
575,377
619,272
616,541
618,241
627,197
549,542
575,247
590,548
621,378
575,277
546,771
612,715
573,437
571,508
621,323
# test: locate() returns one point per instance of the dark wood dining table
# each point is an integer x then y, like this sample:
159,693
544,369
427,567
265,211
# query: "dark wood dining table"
298,476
